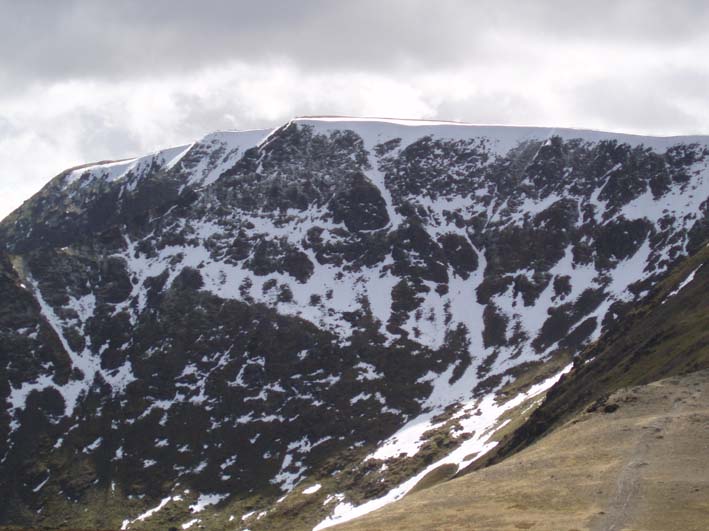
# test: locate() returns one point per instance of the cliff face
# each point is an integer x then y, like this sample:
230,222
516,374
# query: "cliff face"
263,309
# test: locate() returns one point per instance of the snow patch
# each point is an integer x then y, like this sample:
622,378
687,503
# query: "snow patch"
686,281
312,489
478,418
205,500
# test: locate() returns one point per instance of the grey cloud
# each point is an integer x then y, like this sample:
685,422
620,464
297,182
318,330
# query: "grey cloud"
642,105
494,108
42,40
659,23
57,40
684,82
200,115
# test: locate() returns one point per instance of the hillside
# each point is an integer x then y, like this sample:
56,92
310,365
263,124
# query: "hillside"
601,452
290,328
665,334
641,466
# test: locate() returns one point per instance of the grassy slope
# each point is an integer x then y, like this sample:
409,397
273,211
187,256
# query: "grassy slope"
641,466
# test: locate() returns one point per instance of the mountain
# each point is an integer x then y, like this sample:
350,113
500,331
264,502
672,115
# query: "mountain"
284,329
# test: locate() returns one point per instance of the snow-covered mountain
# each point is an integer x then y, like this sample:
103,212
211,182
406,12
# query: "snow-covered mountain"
295,326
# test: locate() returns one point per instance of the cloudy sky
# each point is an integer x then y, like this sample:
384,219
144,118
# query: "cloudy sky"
91,80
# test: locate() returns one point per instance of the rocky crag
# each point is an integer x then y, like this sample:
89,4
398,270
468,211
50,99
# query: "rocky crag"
286,328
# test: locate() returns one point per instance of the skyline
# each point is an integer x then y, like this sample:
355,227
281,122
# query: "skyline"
87,81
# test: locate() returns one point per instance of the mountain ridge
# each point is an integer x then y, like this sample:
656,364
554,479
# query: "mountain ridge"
248,314
343,120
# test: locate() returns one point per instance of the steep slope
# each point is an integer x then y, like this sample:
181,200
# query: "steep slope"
338,302
667,333
641,466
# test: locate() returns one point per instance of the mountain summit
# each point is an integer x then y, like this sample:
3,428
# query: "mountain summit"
289,328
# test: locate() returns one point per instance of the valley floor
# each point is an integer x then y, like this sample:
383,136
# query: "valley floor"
640,461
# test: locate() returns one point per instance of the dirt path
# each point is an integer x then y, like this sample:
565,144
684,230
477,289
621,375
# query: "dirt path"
621,505
657,430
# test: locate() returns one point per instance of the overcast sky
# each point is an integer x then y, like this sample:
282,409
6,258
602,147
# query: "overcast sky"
90,80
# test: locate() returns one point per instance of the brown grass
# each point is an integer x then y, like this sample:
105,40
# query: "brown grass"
643,467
